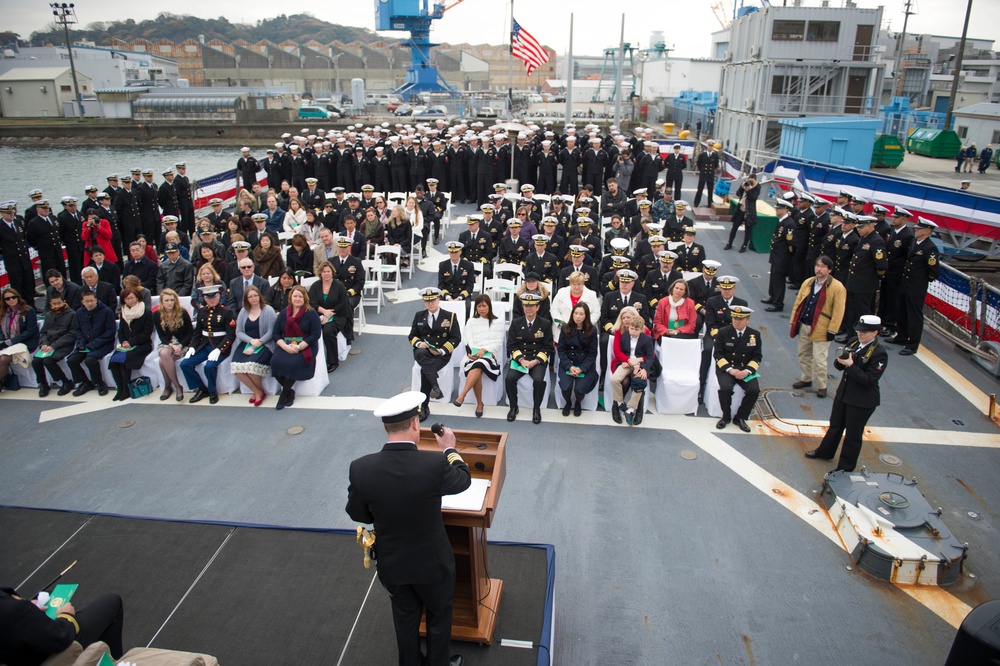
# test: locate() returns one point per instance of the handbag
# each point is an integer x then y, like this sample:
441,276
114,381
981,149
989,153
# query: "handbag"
140,387
11,382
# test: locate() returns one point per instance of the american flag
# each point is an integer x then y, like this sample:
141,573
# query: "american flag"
527,48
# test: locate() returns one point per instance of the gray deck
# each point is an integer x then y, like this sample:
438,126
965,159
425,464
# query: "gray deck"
659,559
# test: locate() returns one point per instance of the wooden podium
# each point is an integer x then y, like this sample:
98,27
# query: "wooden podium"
477,596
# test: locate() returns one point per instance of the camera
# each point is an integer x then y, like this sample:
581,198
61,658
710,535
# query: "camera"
843,352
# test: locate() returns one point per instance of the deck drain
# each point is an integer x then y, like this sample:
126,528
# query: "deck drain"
296,430
687,454
890,459
958,422
754,276
354,351
974,515
126,424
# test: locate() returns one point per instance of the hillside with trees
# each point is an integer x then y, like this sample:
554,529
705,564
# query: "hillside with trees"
176,28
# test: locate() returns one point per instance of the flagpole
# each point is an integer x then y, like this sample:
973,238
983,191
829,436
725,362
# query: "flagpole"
569,75
621,76
510,75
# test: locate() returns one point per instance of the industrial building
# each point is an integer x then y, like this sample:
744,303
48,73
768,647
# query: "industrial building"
40,92
105,67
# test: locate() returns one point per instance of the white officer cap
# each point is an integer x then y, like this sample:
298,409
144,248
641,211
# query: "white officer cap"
401,407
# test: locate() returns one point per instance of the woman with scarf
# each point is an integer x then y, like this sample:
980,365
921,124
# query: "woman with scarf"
675,315
267,257
18,325
174,328
297,331
373,230
135,341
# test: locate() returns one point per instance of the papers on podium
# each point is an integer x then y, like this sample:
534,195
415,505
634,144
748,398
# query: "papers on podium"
471,499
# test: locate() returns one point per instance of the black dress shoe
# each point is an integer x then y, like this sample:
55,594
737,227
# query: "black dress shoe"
743,249
512,414
536,415
331,368
722,424
213,398
567,408
102,389
742,424
616,412
82,388
766,300
65,389
291,398
423,413
729,246
456,660
43,390
897,340
906,351
774,308
436,392
814,455
199,395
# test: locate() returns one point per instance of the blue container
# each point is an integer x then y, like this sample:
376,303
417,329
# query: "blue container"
831,140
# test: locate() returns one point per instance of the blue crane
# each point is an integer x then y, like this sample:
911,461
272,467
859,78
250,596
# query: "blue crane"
415,16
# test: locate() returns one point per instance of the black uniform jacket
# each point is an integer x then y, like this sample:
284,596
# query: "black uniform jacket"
859,384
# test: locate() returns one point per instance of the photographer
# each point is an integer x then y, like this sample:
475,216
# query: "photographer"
863,362
97,231
623,168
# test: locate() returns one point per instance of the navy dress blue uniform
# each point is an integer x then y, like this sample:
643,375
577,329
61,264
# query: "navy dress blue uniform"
717,317
14,249
456,280
867,266
399,491
855,402
689,258
43,234
896,250
736,350
527,341
920,270
782,252
443,334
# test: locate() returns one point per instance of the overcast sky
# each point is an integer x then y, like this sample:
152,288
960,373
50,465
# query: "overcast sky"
687,24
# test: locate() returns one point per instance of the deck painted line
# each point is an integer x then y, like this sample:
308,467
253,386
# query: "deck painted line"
356,618
954,379
383,329
937,600
81,408
61,546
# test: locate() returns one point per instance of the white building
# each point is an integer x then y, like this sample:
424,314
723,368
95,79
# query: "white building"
790,62
979,124
667,77
105,67
40,92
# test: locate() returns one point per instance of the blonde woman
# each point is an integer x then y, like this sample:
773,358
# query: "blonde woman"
174,328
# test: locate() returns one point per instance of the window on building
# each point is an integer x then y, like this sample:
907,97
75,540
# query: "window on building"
785,85
963,132
996,137
190,48
788,30
823,31
165,48
65,88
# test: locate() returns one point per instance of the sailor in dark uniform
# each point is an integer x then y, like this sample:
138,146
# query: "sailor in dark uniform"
863,362
586,238
656,282
185,198
819,227
71,233
675,164
867,266
31,211
113,187
513,249
717,316
149,211
169,204
737,359
246,171
543,262
43,234
434,334
617,248
708,165
609,279
398,490
803,216
897,248
570,158
313,197
690,255
456,276
217,217
530,344
478,245
847,240
704,286
211,342
922,267
782,252
90,201
14,248
577,256
623,297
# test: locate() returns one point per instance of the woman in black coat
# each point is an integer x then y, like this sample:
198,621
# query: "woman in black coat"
299,256
135,341
577,358
297,332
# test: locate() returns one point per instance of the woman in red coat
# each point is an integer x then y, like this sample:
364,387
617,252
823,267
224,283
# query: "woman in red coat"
675,314
97,231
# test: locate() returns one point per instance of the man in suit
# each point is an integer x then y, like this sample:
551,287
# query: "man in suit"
14,249
920,270
107,271
140,266
95,339
529,342
42,233
434,334
456,276
325,251
398,491
737,359
816,318
239,284
863,362
105,292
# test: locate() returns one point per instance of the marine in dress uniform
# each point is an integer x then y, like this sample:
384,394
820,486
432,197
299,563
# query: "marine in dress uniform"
398,490
868,265
690,255
43,234
863,362
434,335
782,252
717,316
737,358
922,267
211,342
543,262
529,342
14,249
456,276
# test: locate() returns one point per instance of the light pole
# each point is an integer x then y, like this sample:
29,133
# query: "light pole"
237,58
66,14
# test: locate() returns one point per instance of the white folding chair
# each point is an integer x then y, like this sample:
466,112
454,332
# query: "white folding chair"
678,383
416,238
390,268
396,198
589,399
446,218
499,289
480,272
526,390
308,281
493,389
359,317
372,292
273,280
712,405
513,272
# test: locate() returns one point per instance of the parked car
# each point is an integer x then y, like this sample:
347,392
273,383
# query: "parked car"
403,110
431,112
315,112
486,112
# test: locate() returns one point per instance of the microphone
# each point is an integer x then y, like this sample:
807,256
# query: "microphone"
438,429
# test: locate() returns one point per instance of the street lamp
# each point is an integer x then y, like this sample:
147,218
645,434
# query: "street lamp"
66,14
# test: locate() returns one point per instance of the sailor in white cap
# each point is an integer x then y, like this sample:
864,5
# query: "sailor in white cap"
675,164
717,316
737,359
920,269
570,157
863,361
14,246
529,345
456,276
434,335
246,169
398,491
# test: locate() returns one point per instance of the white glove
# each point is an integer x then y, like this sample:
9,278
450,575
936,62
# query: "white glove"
189,353
214,355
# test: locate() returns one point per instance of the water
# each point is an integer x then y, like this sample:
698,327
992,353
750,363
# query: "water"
67,171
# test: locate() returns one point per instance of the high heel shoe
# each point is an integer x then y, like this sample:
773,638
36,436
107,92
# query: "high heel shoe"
456,403
479,412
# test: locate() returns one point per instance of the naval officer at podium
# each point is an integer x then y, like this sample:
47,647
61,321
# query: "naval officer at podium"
399,491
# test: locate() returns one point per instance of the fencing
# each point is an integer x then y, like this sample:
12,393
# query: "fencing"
966,310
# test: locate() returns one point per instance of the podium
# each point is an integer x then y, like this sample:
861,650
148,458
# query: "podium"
477,596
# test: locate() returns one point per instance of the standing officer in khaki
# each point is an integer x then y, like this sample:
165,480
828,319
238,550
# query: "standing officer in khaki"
816,318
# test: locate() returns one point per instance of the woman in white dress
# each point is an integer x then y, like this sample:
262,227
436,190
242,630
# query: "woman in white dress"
484,334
